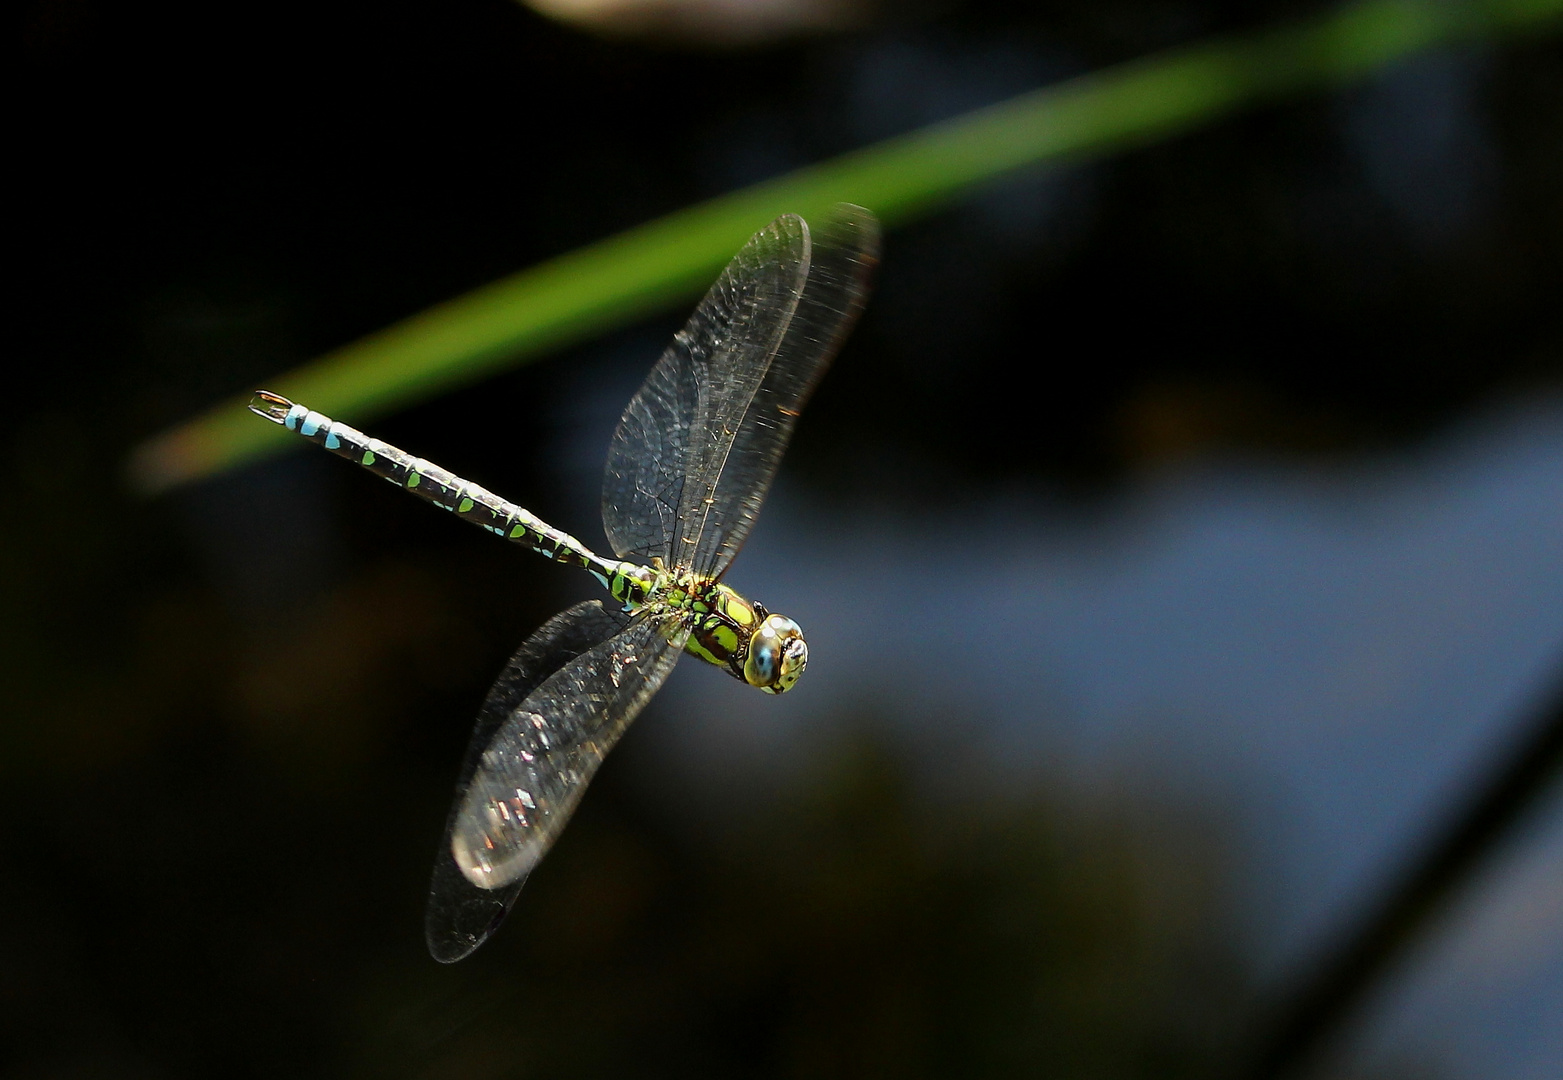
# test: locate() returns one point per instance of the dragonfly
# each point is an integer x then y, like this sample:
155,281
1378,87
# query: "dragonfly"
688,467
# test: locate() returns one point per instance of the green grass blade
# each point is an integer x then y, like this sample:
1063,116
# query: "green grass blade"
626,277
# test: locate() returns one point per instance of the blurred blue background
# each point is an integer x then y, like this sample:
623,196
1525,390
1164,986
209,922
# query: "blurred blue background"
1179,541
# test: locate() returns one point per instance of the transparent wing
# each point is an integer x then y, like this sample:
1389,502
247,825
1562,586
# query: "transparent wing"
746,427
696,450
721,353
556,710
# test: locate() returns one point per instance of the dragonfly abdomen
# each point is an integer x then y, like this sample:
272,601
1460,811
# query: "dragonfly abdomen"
468,501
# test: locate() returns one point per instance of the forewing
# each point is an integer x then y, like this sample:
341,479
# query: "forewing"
558,707
673,427
747,427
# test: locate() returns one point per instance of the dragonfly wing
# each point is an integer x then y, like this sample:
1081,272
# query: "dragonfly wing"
745,430
556,710
672,428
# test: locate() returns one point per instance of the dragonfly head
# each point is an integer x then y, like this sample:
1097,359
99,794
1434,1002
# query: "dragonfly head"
777,655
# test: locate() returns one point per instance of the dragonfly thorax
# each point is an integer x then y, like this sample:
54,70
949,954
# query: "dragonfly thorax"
764,650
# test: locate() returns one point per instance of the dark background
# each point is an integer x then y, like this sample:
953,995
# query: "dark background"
233,713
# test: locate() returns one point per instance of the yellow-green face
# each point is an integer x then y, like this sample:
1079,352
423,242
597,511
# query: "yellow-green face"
777,655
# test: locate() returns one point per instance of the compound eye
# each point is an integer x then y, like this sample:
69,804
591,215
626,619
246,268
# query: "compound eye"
777,655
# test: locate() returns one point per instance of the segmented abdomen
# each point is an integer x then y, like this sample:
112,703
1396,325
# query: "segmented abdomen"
428,481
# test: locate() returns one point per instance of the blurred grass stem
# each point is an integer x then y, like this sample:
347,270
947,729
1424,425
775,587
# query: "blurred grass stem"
1307,1021
617,280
